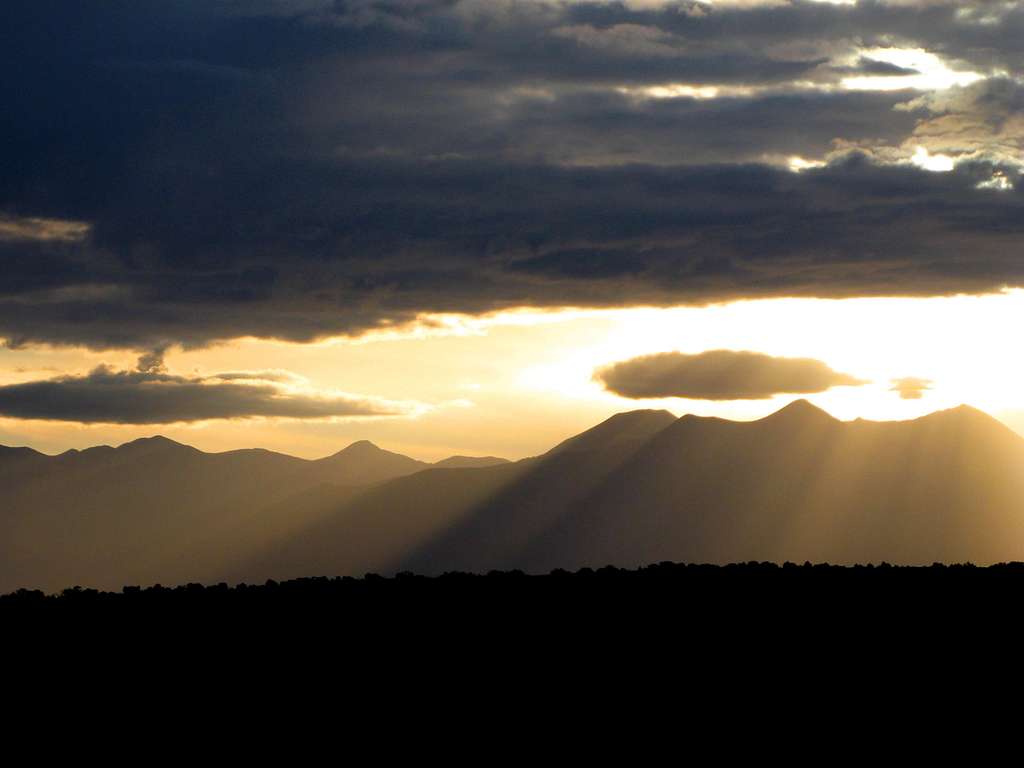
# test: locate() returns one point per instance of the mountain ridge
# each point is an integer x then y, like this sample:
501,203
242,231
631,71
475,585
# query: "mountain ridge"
641,486
800,486
800,408
161,442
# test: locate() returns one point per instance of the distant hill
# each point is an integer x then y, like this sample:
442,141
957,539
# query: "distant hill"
645,487
470,518
14,459
800,485
154,510
640,487
363,462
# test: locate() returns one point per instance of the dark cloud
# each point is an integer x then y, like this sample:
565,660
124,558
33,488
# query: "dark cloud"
911,387
984,120
865,65
152,361
155,397
719,375
198,170
602,128
393,239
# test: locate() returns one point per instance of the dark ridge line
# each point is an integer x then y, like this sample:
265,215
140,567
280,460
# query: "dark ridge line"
666,573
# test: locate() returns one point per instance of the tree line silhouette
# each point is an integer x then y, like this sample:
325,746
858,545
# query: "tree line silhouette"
695,585
682,629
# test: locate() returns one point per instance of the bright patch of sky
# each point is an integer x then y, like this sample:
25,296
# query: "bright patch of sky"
932,73
540,388
922,158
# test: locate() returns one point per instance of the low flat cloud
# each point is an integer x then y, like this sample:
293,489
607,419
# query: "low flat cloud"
720,374
152,396
911,387
13,228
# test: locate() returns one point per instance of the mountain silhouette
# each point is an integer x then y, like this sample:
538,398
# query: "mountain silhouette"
155,510
640,487
364,462
798,414
645,487
13,457
801,485
621,431
490,510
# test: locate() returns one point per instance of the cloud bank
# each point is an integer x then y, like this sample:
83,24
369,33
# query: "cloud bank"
719,375
152,396
200,170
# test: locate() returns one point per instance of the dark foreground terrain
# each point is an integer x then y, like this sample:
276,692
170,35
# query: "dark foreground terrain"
660,593
720,639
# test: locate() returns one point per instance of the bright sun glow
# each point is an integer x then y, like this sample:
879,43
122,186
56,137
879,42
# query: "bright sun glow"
938,162
515,383
952,341
931,72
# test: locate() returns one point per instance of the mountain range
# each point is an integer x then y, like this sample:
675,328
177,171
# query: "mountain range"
640,487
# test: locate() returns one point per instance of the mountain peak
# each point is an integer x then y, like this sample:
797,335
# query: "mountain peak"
642,419
12,449
18,452
966,410
802,411
964,414
154,443
364,462
364,450
640,425
360,447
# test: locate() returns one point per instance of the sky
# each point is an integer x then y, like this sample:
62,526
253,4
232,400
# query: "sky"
480,226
